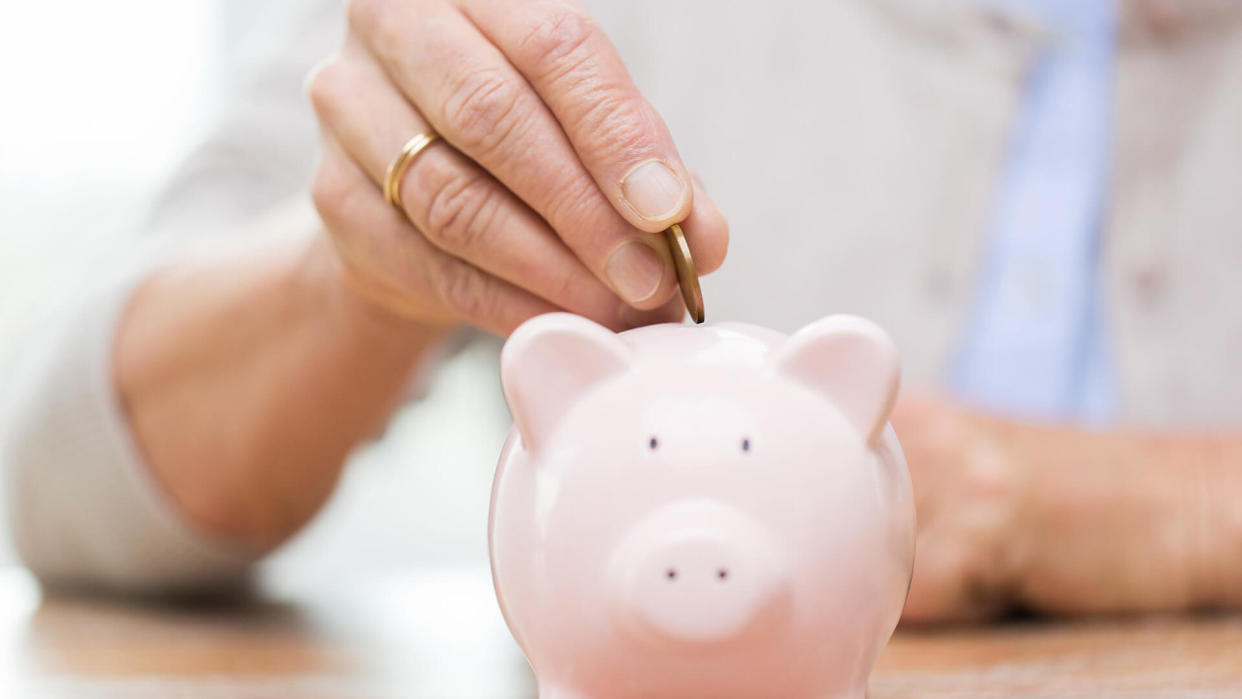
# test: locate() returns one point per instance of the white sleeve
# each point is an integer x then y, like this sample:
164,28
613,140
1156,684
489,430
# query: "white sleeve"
82,507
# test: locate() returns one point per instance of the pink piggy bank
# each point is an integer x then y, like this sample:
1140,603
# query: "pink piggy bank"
715,511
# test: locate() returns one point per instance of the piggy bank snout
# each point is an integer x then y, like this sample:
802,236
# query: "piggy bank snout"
698,574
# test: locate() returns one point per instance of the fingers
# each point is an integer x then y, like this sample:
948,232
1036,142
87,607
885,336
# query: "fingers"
387,260
457,207
942,589
573,66
707,232
481,104
618,135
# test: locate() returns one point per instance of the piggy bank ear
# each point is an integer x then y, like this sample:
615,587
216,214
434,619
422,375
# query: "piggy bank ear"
851,362
548,362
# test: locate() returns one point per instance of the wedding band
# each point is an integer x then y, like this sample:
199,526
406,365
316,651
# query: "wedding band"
400,164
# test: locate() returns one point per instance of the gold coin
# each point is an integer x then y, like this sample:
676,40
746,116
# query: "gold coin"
687,275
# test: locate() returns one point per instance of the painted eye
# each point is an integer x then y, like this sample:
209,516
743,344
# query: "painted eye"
746,445
653,443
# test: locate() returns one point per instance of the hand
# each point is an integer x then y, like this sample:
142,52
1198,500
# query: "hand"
967,486
1063,520
549,190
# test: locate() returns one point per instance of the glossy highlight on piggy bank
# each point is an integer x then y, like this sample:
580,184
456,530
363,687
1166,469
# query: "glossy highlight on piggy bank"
713,511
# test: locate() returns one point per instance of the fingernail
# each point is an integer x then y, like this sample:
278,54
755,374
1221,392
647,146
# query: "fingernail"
635,271
653,190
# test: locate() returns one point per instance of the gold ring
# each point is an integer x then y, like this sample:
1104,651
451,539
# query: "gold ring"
400,164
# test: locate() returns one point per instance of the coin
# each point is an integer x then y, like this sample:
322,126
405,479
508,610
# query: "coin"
687,275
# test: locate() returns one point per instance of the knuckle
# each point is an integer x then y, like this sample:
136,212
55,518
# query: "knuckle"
464,290
580,207
618,127
484,108
384,25
460,211
331,191
561,37
365,14
326,84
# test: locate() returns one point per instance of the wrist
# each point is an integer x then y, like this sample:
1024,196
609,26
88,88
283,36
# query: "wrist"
247,372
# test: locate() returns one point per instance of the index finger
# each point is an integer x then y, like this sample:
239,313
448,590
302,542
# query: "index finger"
472,96
618,135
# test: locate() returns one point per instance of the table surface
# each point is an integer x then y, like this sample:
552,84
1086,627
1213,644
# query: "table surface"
437,633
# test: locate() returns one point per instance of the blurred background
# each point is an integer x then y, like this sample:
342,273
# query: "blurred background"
84,147
83,144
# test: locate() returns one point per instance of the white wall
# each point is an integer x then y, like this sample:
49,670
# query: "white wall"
97,101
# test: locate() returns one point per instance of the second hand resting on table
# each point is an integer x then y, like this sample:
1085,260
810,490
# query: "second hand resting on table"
1062,520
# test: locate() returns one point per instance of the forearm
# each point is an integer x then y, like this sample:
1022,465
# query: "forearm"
1126,520
247,380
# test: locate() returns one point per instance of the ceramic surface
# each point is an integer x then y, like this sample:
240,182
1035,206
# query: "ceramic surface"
701,511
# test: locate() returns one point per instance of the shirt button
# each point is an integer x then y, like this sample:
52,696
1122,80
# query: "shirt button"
1001,22
1149,283
1164,18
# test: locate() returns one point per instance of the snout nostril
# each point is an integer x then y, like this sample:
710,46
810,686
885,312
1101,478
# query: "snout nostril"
671,573
723,573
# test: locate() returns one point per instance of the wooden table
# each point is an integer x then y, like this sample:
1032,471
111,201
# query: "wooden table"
437,633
